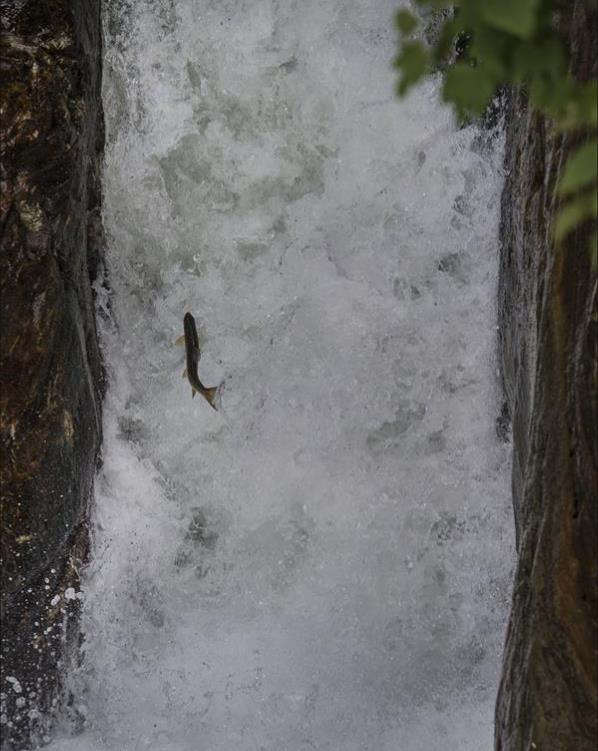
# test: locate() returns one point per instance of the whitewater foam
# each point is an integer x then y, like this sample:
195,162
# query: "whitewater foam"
325,562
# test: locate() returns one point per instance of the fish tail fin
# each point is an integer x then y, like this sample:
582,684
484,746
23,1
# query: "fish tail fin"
210,395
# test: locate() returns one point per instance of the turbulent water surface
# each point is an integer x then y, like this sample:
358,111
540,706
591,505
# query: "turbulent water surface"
324,562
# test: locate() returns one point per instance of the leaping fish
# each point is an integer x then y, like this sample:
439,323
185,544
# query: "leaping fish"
193,353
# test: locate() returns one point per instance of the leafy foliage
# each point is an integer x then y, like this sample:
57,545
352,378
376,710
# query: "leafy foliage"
413,61
510,42
580,169
584,206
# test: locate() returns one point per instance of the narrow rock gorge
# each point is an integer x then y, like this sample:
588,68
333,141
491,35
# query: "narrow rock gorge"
548,331
51,385
51,372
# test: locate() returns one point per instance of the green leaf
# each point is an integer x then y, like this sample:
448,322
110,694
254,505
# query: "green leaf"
545,56
406,22
549,94
574,213
444,43
581,168
493,49
582,107
517,17
469,89
413,64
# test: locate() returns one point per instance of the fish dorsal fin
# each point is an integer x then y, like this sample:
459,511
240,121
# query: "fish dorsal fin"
180,342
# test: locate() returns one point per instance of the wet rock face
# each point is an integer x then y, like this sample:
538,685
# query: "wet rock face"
50,370
548,344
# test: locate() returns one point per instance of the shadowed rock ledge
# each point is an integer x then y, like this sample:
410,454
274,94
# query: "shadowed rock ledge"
50,369
548,334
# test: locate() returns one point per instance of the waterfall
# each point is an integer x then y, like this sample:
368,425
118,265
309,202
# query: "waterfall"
323,563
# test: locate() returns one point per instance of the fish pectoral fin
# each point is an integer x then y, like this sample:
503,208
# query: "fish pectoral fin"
193,392
180,342
185,373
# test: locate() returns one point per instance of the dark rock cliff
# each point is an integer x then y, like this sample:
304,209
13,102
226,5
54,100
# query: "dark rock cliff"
548,342
50,368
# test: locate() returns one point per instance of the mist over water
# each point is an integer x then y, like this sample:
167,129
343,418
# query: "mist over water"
324,563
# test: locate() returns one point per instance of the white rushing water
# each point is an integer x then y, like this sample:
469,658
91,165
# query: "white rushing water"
324,563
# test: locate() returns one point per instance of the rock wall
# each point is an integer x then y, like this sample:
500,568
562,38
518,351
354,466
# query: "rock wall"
548,342
50,369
